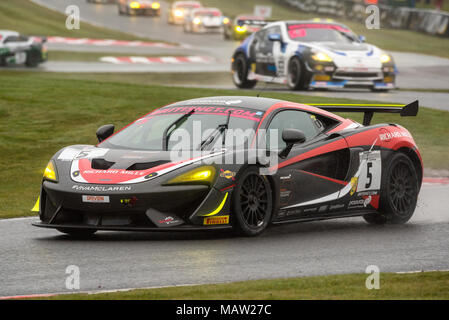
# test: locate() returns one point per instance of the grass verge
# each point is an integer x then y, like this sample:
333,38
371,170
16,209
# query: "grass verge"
29,18
42,112
423,285
387,39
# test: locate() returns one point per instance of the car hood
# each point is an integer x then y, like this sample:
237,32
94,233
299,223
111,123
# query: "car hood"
351,55
95,165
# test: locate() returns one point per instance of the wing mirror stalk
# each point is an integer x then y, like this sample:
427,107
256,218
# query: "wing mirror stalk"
291,137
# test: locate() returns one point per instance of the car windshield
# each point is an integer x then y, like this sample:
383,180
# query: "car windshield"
207,14
310,32
187,6
147,133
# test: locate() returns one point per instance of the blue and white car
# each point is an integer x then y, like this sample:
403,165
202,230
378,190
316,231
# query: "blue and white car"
312,54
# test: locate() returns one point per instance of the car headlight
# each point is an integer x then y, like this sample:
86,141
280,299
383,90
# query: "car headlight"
178,13
202,175
384,58
241,29
322,57
134,5
155,5
197,21
50,172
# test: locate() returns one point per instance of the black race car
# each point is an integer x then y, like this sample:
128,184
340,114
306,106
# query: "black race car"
242,162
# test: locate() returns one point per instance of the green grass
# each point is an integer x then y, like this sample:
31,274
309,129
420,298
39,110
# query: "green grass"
42,112
94,56
424,285
387,39
422,4
29,18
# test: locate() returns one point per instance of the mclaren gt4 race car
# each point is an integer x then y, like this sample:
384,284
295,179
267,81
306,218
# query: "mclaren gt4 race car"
16,49
310,54
322,166
242,26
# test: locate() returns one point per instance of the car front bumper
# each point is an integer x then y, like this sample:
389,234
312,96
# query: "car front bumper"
139,207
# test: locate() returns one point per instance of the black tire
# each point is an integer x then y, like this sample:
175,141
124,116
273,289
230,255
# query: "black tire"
296,74
79,233
379,90
33,58
399,192
240,73
252,203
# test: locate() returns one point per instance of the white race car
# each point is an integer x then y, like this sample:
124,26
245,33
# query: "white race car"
204,20
312,54
180,9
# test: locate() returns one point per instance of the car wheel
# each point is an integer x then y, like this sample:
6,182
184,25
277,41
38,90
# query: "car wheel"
399,192
33,58
296,76
379,90
75,232
252,203
240,73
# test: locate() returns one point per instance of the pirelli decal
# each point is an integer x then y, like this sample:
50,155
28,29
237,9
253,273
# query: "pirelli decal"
216,220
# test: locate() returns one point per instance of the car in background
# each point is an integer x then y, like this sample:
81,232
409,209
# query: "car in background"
137,7
242,26
101,1
180,9
312,54
17,49
203,20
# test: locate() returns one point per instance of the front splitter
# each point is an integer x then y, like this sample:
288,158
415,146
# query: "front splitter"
130,228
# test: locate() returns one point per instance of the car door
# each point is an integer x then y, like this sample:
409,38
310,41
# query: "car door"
264,55
314,172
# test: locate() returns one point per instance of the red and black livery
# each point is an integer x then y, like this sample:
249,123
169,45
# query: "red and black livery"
324,167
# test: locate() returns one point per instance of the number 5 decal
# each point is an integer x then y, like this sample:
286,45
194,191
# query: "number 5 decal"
371,171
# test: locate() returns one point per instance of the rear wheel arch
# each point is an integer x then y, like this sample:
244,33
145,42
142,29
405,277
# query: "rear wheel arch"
415,160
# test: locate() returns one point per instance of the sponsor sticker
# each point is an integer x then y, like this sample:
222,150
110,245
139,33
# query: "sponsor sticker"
227,174
216,220
354,182
168,220
96,199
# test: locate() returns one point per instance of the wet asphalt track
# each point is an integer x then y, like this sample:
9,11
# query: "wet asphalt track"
34,260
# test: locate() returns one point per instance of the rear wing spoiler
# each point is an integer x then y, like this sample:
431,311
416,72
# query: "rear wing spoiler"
405,110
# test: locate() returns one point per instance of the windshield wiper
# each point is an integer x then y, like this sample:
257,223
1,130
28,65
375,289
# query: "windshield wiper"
221,128
166,136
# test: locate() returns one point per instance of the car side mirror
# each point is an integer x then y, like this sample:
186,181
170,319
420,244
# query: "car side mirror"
275,37
291,137
105,132
362,39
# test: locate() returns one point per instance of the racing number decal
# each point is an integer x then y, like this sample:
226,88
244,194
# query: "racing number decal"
369,175
371,170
